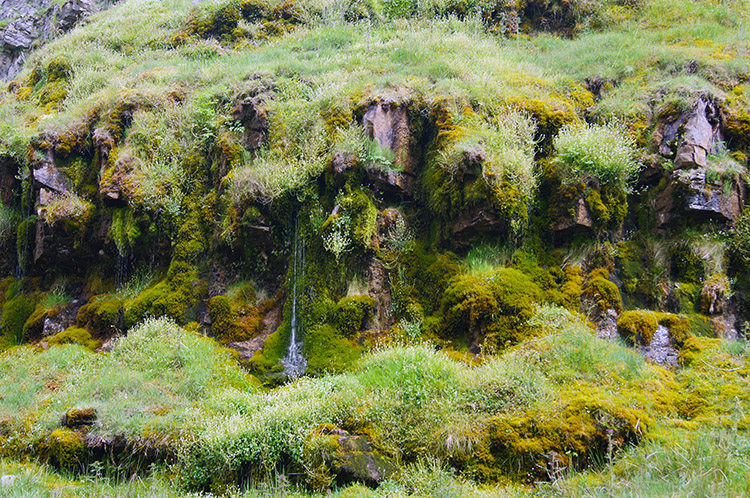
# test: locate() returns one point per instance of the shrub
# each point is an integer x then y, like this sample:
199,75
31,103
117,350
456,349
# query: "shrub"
604,152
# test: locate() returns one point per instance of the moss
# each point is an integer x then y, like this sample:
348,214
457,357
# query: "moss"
327,351
222,324
714,294
64,449
637,326
686,266
16,312
124,229
491,308
75,335
604,293
101,315
78,417
24,240
679,327
350,314
586,425
34,325
572,287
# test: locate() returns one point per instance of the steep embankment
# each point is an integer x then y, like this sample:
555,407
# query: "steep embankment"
304,182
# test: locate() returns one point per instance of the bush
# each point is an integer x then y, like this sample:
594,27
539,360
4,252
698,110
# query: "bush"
605,152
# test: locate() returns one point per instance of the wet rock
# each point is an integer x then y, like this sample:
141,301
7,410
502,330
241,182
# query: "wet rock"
9,184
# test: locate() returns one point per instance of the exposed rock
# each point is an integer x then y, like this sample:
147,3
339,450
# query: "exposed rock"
73,11
607,328
581,219
474,224
250,113
51,177
351,458
63,319
661,349
31,22
701,131
387,121
112,185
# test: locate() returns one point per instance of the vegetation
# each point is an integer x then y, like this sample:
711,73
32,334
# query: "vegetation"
468,214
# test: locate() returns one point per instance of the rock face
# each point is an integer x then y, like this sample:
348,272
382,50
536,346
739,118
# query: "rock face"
697,188
387,122
473,224
579,221
35,21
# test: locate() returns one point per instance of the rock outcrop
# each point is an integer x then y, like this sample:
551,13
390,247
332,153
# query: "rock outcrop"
37,21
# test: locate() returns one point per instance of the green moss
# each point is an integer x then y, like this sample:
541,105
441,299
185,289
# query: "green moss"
101,315
603,292
75,335
34,326
25,240
637,326
327,351
16,312
572,287
124,229
492,308
686,266
64,449
350,314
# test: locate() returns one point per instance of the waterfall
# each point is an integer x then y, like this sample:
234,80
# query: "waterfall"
294,363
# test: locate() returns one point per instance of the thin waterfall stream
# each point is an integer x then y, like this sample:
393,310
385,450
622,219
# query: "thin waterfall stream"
294,362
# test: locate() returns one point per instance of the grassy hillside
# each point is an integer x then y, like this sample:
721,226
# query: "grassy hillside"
511,238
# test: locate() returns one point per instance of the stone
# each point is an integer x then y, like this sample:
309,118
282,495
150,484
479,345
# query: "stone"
72,12
20,34
250,113
8,479
49,176
580,221
473,224
387,121
353,459
701,131
661,349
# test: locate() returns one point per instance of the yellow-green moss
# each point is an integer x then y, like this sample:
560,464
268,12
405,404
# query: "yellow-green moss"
75,335
572,287
101,315
64,449
15,313
603,292
637,326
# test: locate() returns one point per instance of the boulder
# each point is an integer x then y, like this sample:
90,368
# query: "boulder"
351,458
701,132
579,221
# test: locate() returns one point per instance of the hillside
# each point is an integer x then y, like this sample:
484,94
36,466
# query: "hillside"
375,248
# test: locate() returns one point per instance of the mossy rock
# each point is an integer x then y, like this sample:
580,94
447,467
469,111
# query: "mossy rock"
493,308
16,312
638,326
602,291
327,351
351,312
101,315
78,417
75,335
64,449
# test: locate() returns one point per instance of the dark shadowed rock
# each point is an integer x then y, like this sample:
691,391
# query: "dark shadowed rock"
473,224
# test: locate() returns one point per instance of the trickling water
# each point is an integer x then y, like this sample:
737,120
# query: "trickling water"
294,363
